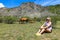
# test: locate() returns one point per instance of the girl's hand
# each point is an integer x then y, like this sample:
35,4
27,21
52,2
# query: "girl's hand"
45,27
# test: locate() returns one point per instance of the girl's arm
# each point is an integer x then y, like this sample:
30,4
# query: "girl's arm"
48,25
42,25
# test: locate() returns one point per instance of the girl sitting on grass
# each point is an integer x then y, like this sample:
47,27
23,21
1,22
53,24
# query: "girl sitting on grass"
46,27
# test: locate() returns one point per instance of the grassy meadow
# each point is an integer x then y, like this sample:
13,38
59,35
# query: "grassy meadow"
27,32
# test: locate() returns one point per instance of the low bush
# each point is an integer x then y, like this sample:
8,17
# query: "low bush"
1,19
54,20
37,19
10,19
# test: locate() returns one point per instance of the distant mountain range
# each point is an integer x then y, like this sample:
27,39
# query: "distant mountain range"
27,9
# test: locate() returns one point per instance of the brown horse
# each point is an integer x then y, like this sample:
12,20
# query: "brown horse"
23,20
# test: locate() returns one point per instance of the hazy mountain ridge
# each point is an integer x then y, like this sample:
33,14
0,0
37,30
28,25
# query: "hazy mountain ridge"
26,9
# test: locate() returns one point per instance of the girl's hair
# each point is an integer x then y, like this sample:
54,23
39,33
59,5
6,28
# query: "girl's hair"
48,18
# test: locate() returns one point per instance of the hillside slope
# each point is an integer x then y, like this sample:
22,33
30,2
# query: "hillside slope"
54,9
26,9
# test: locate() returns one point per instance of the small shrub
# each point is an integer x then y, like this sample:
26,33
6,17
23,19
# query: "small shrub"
54,20
10,19
58,18
43,18
37,19
1,19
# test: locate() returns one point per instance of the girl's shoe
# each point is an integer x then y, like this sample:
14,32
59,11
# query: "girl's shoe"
38,34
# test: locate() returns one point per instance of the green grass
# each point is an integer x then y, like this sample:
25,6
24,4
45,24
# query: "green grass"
27,32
